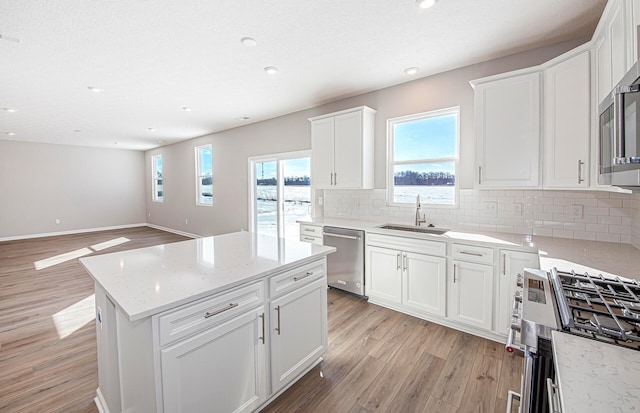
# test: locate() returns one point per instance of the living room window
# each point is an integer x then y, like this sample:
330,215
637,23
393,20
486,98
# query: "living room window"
423,158
204,175
156,178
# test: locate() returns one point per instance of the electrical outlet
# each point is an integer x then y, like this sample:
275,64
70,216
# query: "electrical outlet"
57,220
491,207
517,209
577,211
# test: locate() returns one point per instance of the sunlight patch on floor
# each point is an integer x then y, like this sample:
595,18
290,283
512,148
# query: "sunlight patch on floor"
59,259
108,244
74,317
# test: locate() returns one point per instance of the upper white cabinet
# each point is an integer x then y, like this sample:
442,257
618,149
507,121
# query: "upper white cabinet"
632,11
567,86
507,120
342,149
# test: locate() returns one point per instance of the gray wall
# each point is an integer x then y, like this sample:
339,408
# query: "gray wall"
292,132
83,187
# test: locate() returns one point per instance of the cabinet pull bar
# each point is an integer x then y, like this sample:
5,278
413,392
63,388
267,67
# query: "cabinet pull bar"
278,328
404,262
475,254
397,261
330,234
309,230
308,274
580,179
331,178
454,273
335,178
222,310
479,175
504,264
262,338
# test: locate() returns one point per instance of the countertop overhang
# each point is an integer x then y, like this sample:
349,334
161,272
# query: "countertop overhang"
147,281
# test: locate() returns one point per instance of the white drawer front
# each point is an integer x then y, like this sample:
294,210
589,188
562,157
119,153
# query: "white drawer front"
311,230
290,280
418,246
191,318
311,239
472,253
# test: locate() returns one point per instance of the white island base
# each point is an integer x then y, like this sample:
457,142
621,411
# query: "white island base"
233,350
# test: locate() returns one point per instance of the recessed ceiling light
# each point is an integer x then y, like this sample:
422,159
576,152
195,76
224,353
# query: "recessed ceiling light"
271,70
11,110
425,4
77,130
411,70
152,129
10,133
244,118
187,109
116,143
95,89
248,41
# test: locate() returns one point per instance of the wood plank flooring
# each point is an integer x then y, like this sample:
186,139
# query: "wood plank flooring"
39,371
378,360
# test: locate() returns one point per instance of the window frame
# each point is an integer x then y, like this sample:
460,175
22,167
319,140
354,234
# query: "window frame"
199,175
455,110
155,179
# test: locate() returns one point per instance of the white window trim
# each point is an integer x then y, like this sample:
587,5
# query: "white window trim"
252,160
197,150
154,178
424,115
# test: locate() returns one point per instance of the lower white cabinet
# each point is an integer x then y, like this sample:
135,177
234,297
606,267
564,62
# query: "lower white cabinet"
298,332
384,272
511,264
223,367
471,298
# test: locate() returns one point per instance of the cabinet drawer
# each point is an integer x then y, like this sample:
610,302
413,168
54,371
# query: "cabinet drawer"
418,246
472,253
290,280
311,239
310,230
191,318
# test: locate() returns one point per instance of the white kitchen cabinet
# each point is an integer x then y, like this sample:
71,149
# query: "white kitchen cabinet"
224,366
632,21
567,120
611,47
424,280
298,332
384,274
507,124
311,233
342,149
471,298
511,264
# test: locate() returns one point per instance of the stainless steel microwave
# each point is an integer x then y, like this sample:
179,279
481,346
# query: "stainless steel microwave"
619,153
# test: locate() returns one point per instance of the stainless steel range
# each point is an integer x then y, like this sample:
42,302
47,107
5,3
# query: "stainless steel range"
601,308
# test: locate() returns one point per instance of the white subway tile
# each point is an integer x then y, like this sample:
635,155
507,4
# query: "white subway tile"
562,233
608,237
619,229
545,232
609,220
574,226
589,236
596,211
597,228
610,203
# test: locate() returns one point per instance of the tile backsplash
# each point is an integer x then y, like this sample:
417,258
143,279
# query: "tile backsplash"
588,215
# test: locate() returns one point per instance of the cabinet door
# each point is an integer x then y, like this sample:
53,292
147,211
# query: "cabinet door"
507,117
384,274
424,283
298,332
511,264
567,123
472,294
348,150
322,153
618,41
223,366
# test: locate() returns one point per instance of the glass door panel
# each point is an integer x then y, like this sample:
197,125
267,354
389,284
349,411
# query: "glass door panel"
266,198
296,195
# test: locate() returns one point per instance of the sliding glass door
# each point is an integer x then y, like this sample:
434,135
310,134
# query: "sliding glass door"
280,190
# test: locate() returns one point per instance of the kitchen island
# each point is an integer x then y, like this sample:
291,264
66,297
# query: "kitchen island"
221,323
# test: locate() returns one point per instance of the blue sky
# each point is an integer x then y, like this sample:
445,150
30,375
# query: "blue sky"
206,160
292,167
425,138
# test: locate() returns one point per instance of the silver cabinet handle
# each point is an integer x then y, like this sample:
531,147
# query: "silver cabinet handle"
580,179
404,262
454,272
511,345
551,396
310,239
222,310
397,261
335,178
308,274
278,311
475,254
328,234
479,175
511,395
262,338
309,230
504,264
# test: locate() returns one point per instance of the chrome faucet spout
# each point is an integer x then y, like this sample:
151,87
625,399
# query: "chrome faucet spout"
419,220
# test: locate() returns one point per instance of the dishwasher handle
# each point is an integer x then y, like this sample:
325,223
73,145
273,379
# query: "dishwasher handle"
329,234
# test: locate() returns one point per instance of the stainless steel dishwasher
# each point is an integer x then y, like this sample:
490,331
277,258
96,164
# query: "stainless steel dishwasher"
345,267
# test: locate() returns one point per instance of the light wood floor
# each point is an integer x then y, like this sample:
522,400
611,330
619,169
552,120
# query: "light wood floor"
378,359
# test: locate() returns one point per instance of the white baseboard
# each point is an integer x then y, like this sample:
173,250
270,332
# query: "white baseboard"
175,231
74,231
100,402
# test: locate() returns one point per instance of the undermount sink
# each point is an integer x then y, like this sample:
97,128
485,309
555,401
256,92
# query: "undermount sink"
413,228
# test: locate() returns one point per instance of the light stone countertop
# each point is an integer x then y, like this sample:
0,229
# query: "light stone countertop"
147,281
594,257
594,376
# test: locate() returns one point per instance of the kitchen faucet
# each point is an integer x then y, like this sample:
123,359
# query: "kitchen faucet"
419,220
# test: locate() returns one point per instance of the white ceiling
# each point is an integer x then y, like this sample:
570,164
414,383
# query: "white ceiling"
153,57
